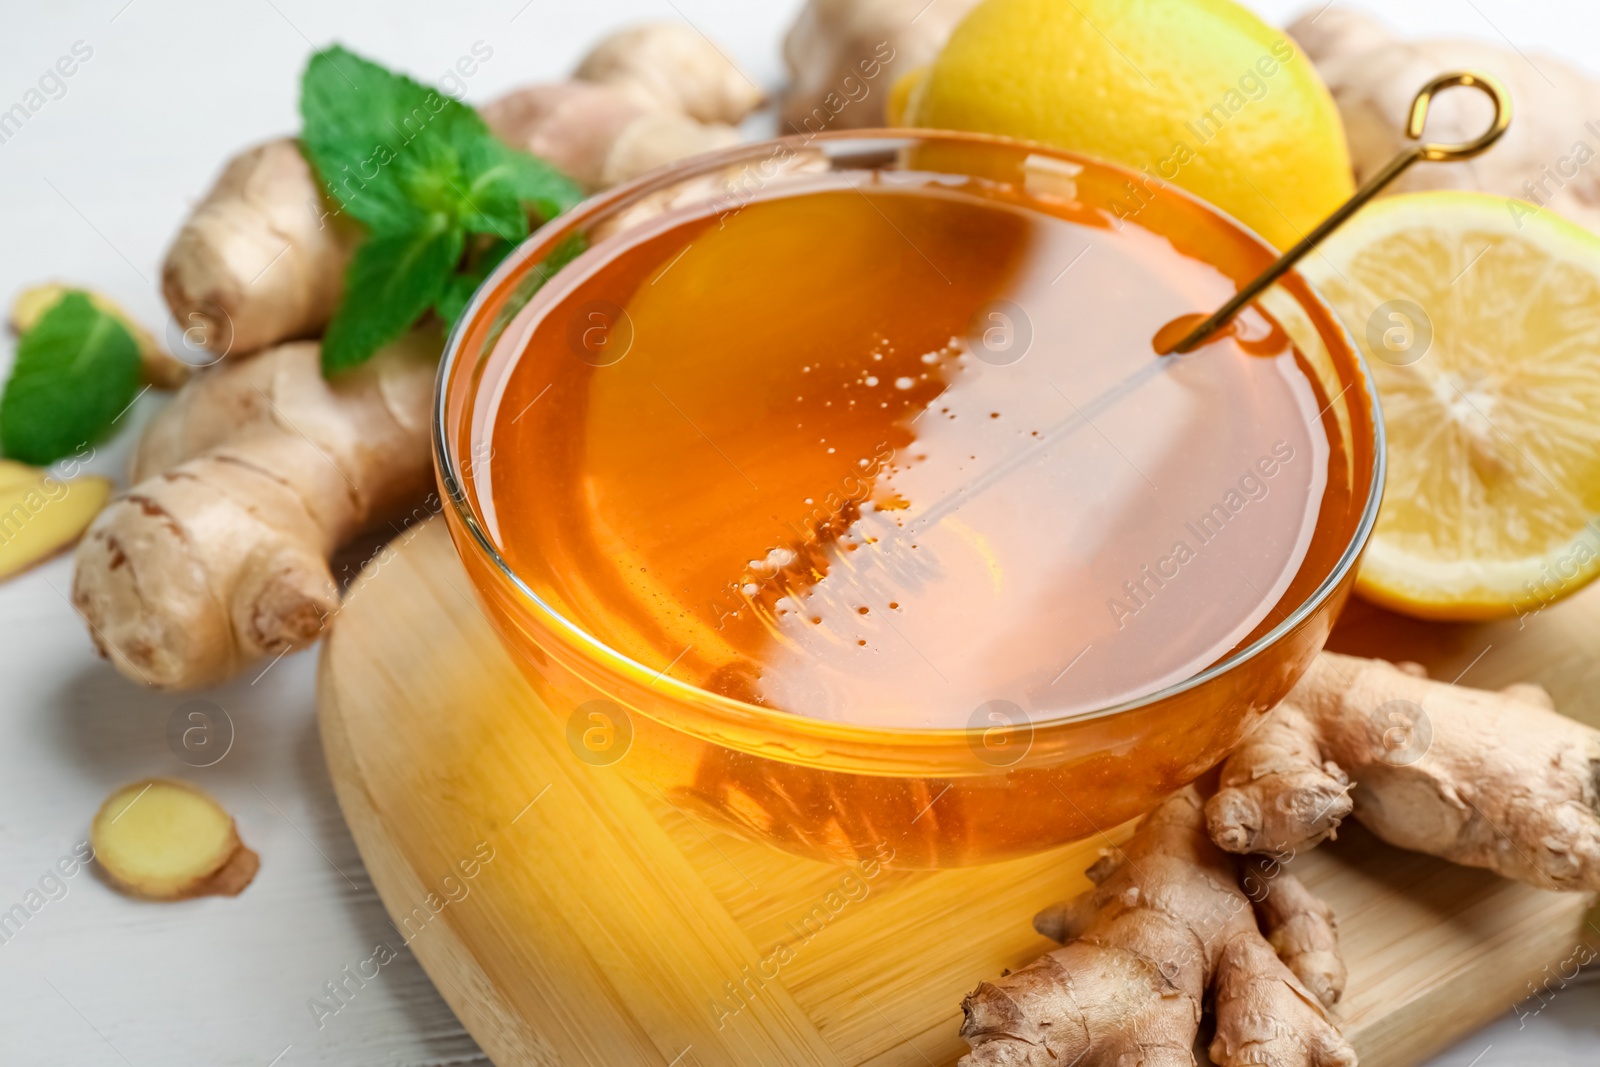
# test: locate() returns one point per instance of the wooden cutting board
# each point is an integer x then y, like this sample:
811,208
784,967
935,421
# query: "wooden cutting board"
569,918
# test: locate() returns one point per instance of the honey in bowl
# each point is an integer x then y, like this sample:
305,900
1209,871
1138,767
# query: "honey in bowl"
887,448
850,505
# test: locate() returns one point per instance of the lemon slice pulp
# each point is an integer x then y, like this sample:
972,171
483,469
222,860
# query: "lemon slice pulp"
1480,319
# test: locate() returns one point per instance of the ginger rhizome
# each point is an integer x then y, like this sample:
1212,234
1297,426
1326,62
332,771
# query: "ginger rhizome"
642,98
599,135
672,67
1485,779
844,56
262,257
244,486
163,839
1170,920
1373,74
260,469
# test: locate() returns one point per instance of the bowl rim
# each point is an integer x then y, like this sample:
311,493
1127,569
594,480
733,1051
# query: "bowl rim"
788,723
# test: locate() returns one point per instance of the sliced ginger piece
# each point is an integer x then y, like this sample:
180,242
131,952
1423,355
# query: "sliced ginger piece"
40,515
13,474
163,839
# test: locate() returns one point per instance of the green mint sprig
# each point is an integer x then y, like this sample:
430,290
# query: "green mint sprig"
76,370
442,198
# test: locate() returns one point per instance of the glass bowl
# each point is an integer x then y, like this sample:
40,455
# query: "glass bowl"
925,797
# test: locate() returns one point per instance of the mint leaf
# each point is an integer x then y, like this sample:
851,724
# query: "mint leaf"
465,282
422,171
456,295
504,180
392,281
394,152
539,185
571,246
76,371
357,119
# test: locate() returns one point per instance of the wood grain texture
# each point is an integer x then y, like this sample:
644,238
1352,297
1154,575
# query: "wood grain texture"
572,919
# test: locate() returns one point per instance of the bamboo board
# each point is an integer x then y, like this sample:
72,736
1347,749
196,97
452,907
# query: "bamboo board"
569,918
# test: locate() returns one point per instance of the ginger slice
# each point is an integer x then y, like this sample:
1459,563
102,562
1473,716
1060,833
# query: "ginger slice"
40,515
163,839
13,473
598,134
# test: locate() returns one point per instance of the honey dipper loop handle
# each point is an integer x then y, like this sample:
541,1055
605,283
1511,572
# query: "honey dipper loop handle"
1450,153
1425,151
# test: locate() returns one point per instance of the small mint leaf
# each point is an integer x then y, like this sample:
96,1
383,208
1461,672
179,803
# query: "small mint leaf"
540,185
75,372
570,248
392,281
465,282
505,181
456,296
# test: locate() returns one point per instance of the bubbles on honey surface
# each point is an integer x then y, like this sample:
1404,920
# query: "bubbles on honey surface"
1027,501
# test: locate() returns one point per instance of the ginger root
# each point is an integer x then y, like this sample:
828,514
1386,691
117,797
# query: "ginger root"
40,515
599,135
1479,778
1373,75
262,257
161,369
1170,918
1299,926
670,66
844,55
162,839
259,469
642,98
245,485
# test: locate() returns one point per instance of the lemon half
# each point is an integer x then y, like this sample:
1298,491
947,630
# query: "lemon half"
1480,318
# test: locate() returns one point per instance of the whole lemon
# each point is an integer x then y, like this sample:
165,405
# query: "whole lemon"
1198,93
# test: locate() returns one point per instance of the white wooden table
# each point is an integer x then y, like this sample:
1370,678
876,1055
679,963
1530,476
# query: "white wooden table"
93,187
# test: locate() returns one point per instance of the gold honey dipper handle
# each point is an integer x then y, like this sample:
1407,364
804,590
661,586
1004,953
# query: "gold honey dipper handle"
1424,151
